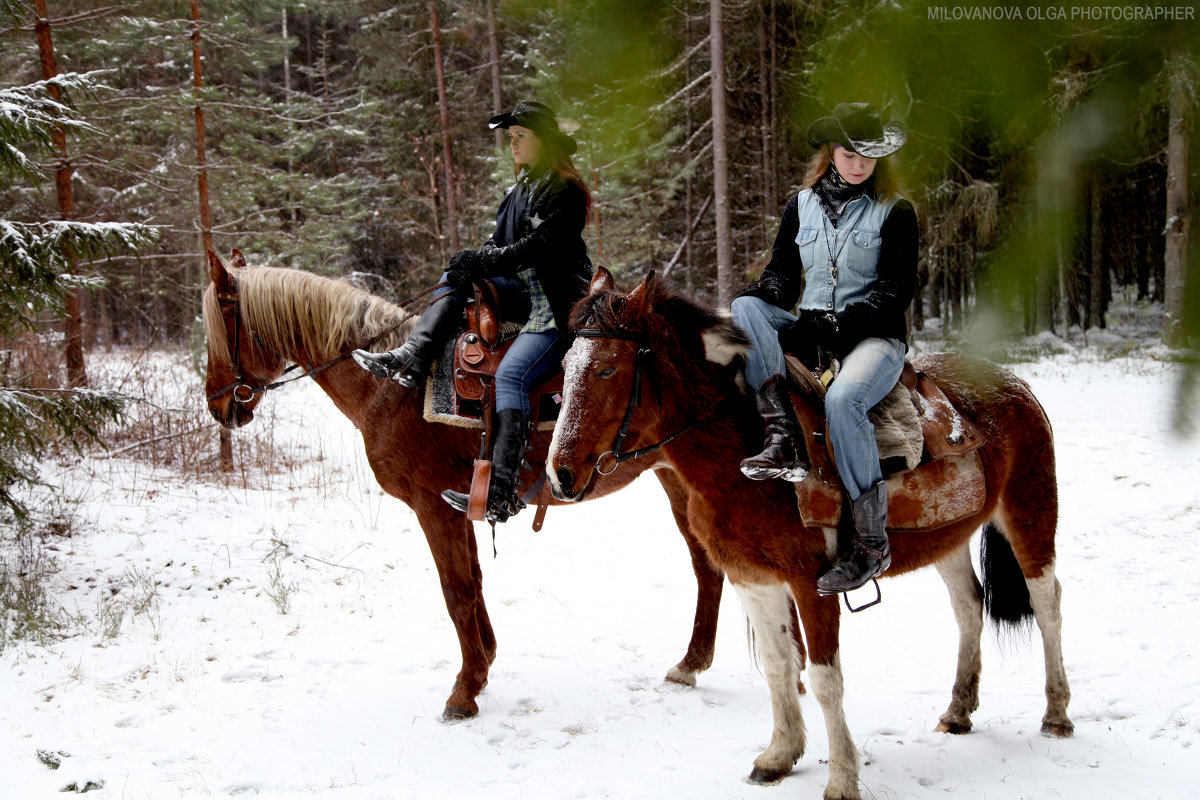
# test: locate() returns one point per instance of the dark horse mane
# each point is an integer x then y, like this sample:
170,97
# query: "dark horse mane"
679,321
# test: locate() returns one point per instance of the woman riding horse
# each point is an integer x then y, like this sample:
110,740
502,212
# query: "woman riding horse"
538,262
849,240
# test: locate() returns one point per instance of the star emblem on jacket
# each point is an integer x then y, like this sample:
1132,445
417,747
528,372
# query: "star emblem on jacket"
535,221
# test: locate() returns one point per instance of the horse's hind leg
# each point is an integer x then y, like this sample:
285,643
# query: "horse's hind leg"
770,619
1029,528
1045,595
966,600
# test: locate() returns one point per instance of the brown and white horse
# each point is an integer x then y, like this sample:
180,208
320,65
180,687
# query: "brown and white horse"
257,319
688,354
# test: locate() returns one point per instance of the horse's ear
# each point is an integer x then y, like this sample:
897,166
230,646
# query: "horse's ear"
237,260
638,301
218,274
602,281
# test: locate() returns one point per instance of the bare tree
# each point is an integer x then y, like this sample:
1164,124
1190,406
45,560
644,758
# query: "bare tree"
76,369
1178,213
494,58
444,108
720,158
225,450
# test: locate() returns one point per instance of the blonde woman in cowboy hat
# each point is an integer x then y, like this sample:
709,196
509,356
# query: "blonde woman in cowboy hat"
846,252
537,260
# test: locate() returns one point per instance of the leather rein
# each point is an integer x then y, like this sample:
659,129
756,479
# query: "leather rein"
244,392
642,364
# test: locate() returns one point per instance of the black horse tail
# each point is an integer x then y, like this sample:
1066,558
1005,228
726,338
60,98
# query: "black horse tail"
1005,595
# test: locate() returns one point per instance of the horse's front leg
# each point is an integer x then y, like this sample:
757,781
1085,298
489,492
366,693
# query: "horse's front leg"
770,618
819,615
965,593
710,581
451,540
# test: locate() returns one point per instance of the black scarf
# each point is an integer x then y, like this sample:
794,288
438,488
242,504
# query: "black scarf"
835,192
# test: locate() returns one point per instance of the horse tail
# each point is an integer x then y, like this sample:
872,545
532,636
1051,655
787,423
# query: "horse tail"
1005,594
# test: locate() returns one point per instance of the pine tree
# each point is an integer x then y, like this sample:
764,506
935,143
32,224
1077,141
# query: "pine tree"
34,258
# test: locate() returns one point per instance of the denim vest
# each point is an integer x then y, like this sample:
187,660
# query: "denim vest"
833,282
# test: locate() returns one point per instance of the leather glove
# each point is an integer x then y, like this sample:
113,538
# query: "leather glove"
811,329
462,268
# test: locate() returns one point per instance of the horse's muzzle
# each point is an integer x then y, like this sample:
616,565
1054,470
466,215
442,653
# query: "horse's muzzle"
563,486
237,416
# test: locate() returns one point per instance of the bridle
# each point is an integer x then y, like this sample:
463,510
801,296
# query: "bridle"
243,391
642,363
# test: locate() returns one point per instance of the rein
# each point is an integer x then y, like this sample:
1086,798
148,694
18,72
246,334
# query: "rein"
641,364
243,392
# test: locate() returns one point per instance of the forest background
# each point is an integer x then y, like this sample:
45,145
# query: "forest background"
1050,155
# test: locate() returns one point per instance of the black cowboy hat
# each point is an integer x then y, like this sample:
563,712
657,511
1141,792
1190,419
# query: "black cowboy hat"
856,127
539,118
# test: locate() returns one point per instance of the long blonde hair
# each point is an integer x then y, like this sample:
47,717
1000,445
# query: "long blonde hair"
884,176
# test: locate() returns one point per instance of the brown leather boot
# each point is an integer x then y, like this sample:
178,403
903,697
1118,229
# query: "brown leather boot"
781,455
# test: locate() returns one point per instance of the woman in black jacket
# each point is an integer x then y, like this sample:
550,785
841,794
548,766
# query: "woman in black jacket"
538,261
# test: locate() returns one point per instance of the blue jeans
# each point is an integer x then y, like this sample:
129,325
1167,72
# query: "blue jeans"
868,373
531,356
761,321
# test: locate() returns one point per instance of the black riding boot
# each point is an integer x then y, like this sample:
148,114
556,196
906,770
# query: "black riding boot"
869,552
508,450
780,457
409,363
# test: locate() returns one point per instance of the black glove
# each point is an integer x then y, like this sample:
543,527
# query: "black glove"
463,265
812,329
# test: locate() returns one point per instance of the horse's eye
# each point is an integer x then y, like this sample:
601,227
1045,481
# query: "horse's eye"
605,373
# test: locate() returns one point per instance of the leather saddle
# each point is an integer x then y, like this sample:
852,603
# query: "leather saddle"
478,352
945,486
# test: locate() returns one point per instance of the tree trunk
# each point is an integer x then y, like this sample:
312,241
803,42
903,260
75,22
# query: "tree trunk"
76,369
1178,213
725,278
1096,277
444,108
225,448
494,56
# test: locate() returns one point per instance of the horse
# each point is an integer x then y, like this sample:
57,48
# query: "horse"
691,356
258,319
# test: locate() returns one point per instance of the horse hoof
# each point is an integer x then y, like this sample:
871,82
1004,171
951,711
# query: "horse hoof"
953,727
453,715
681,676
1061,730
766,777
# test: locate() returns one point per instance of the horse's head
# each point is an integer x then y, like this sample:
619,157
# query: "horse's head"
238,366
646,363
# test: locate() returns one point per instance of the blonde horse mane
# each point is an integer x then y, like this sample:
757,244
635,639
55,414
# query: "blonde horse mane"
301,315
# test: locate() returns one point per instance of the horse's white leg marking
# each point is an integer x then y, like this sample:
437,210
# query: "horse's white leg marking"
767,607
1045,595
826,680
831,543
959,576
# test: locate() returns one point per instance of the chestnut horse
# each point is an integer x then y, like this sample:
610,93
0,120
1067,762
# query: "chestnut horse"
690,356
259,318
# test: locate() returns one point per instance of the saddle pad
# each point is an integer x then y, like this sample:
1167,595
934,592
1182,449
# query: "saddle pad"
933,495
442,403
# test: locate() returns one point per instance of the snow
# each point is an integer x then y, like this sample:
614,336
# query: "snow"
182,679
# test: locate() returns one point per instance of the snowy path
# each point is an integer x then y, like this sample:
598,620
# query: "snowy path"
208,691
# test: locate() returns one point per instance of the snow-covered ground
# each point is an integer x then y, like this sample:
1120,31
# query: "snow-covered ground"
182,677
